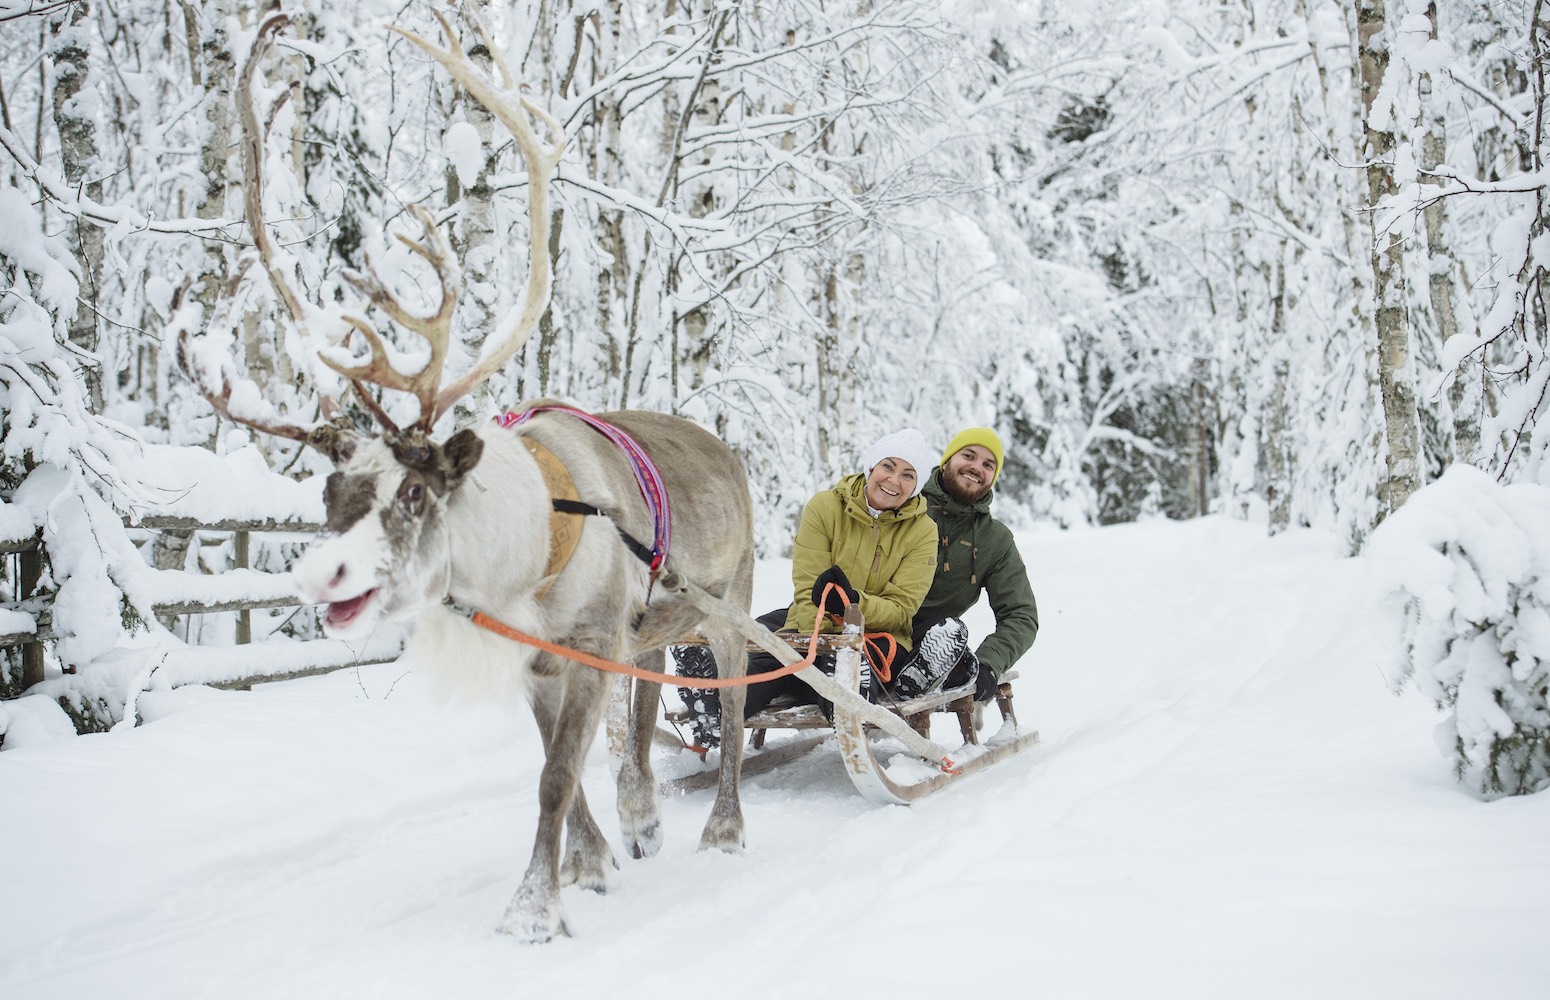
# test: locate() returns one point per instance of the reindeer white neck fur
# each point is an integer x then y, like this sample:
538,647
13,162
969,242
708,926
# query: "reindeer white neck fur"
500,513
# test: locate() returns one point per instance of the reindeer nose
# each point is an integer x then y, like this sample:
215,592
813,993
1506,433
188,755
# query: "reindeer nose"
322,576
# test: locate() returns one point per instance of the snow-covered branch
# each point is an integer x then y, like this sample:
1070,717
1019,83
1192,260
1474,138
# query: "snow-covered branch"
126,220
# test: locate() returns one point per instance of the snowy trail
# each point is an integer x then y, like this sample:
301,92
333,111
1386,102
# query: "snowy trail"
1226,802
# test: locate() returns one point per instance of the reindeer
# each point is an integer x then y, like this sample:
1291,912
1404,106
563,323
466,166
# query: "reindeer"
430,531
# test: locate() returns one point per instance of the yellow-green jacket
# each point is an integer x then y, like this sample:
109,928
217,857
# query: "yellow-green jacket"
890,559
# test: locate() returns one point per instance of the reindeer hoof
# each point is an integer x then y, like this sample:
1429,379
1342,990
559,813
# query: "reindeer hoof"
532,919
588,872
645,841
640,817
723,834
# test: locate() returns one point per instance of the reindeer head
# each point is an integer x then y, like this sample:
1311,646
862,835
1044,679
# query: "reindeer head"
384,552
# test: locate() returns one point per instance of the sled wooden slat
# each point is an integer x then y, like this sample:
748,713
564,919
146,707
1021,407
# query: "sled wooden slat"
756,763
789,717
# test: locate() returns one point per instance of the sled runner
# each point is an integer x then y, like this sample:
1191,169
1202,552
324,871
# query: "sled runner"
863,731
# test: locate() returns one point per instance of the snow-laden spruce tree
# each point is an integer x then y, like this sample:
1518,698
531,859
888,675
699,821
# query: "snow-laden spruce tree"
60,463
1465,566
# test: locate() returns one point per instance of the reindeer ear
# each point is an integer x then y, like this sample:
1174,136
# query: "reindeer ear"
460,454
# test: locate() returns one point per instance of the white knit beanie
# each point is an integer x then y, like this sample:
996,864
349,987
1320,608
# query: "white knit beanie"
908,444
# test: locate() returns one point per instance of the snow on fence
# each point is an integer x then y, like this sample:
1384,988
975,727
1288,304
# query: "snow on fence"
26,622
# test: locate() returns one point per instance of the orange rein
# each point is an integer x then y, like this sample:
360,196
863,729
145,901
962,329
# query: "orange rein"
629,670
614,667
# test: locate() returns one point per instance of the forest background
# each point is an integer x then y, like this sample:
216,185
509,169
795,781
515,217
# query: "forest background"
1277,259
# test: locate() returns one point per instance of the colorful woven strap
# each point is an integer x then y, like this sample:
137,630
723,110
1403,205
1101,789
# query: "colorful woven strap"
652,489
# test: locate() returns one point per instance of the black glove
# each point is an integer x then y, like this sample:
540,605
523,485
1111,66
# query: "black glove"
834,604
986,685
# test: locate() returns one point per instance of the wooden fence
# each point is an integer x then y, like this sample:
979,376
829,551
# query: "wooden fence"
240,589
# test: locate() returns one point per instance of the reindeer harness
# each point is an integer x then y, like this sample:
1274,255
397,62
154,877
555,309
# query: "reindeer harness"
566,504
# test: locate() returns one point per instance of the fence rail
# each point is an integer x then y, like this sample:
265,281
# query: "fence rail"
29,571
240,589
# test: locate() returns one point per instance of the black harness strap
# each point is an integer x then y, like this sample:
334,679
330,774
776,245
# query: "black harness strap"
641,551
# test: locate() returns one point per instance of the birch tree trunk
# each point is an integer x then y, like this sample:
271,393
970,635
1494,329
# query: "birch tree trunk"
1202,435
74,105
613,277
476,246
1278,449
212,68
836,388
700,197
1529,441
1464,395
1396,369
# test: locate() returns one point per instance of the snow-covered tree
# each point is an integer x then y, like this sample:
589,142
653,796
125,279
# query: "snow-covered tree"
61,464
1466,567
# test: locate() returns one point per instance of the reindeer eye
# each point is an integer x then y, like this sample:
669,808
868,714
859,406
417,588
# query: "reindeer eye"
411,497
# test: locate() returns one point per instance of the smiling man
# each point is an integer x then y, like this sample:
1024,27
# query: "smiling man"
976,555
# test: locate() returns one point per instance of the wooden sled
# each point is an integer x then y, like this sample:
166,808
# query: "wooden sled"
857,722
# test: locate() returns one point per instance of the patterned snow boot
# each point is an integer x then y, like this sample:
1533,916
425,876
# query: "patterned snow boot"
704,704
965,671
937,653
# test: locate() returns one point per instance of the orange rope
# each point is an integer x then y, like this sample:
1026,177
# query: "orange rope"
882,661
881,648
614,667
874,641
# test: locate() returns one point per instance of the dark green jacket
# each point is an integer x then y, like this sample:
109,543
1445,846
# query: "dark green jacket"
975,553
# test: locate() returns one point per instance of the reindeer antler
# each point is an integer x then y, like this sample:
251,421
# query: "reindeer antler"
216,382
253,166
511,108
211,373
436,328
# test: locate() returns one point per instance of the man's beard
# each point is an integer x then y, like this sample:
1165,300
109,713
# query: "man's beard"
958,488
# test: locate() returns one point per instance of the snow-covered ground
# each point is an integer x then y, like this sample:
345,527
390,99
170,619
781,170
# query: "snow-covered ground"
1227,802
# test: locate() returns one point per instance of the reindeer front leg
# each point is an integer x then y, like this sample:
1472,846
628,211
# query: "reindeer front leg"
587,859
535,914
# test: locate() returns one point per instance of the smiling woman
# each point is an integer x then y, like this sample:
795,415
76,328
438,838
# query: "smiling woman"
872,527
891,482
896,468
870,536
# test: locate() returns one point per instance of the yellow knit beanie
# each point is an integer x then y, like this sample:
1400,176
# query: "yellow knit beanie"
982,436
